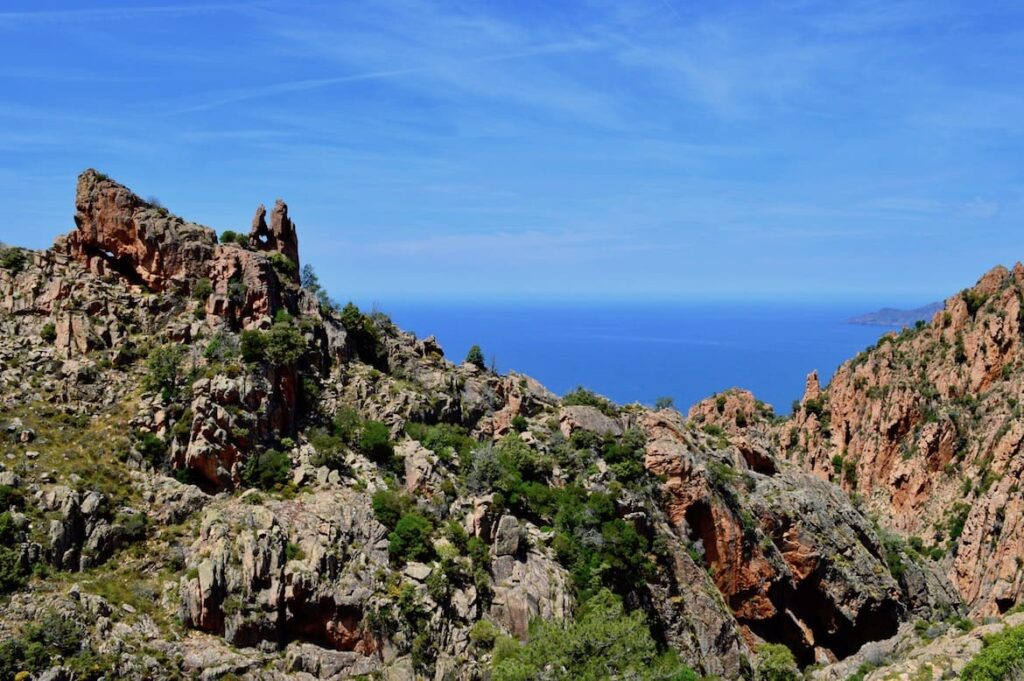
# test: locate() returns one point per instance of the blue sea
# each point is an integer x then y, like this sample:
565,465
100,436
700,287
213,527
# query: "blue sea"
639,352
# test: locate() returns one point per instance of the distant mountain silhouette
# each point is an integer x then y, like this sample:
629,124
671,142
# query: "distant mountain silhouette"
890,316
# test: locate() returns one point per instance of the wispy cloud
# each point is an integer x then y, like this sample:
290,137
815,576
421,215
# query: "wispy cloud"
23,19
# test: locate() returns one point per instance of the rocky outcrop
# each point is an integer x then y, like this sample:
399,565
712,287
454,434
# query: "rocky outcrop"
731,410
84,534
925,427
936,650
280,236
119,233
289,571
795,562
586,418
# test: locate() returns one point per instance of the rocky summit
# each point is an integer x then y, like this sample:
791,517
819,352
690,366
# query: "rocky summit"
211,470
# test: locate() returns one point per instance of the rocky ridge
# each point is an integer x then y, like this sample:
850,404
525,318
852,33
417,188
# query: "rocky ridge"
925,427
288,490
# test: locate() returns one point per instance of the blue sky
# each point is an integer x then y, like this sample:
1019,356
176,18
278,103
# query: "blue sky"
655,148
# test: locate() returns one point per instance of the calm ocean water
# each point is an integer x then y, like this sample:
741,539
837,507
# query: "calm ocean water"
638,352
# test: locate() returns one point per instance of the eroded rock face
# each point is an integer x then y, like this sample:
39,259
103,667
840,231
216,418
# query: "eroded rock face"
925,426
300,570
795,562
117,232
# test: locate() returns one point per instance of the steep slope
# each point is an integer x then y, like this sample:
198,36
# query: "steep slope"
212,470
926,428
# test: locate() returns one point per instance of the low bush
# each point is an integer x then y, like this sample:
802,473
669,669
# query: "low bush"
13,570
588,398
13,260
1002,657
389,506
202,289
375,442
775,662
49,638
410,540
283,264
602,642
444,439
268,470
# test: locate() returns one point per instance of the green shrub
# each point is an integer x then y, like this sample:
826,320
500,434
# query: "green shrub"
229,236
974,300
850,472
47,639
133,526
664,402
588,398
152,448
363,337
202,289
1001,658
476,356
13,570
283,264
375,442
775,662
163,368
252,344
482,634
389,506
11,497
293,551
519,423
267,470
625,455
49,332
815,406
222,347
837,463
13,260
284,344
602,642
444,439
410,540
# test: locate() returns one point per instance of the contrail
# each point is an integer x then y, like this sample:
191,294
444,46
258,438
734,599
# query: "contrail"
311,84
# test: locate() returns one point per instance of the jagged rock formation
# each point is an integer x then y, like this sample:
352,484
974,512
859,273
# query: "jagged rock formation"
120,233
280,236
925,425
154,377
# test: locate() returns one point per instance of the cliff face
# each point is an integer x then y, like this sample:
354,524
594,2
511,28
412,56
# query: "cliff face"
926,427
314,492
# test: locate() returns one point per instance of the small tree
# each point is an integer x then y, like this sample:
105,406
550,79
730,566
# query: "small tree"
375,442
775,662
309,280
49,332
664,402
476,356
284,344
13,260
164,370
251,346
410,540
267,470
